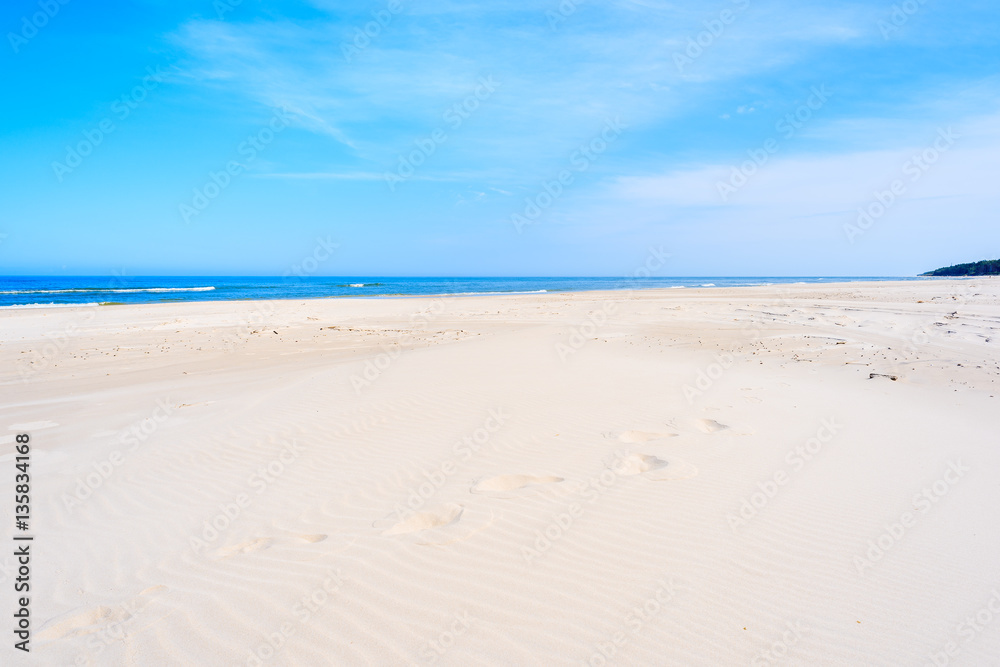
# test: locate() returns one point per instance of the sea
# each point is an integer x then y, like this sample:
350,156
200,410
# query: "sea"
53,292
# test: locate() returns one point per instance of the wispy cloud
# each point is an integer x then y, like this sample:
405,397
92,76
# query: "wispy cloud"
559,83
697,84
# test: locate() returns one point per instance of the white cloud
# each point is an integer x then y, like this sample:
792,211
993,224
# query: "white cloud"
809,185
558,85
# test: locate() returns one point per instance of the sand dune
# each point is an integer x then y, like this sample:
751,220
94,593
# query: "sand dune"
718,476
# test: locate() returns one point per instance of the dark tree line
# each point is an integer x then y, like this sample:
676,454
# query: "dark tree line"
987,267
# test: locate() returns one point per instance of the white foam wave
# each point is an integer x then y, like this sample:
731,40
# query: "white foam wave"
109,290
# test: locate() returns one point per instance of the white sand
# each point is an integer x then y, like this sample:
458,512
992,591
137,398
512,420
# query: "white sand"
632,444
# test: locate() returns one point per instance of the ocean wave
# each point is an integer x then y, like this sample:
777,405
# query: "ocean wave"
111,290
709,285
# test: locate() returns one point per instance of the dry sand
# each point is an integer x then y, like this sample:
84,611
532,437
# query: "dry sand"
662,477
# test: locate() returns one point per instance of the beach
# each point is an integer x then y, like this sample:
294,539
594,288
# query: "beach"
785,474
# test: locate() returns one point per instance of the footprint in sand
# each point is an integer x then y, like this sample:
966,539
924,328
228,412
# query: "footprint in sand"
710,426
262,543
309,547
439,526
438,517
636,464
253,546
512,482
85,622
655,468
88,621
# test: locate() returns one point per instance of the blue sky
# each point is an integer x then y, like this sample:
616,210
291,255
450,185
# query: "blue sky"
217,137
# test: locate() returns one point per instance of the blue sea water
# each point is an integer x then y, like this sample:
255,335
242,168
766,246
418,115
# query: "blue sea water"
35,291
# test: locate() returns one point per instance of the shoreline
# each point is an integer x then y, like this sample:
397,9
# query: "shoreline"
745,457
904,280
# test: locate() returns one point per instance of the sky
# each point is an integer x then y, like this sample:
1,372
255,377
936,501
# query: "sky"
503,138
